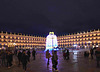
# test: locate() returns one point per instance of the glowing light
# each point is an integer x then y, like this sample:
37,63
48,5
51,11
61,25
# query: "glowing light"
51,41
97,46
75,45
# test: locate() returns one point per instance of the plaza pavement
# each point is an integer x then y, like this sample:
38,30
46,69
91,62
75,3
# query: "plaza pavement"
77,63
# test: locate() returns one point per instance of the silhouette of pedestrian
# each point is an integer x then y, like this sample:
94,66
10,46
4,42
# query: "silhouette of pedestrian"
54,60
28,53
24,60
33,54
48,55
19,57
91,52
97,53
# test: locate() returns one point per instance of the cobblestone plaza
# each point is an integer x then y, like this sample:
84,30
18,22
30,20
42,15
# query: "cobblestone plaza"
77,63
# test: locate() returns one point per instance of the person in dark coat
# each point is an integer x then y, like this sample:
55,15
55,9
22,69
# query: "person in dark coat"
67,54
86,54
55,61
28,53
91,52
9,59
24,60
19,57
97,53
33,54
3,57
64,54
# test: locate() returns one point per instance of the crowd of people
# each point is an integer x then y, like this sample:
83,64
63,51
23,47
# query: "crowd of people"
54,59
23,56
6,57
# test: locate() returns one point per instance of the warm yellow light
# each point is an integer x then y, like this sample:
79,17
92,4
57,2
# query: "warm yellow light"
18,37
2,39
90,34
98,34
87,35
80,39
2,36
94,34
6,36
83,35
14,37
94,38
86,38
80,36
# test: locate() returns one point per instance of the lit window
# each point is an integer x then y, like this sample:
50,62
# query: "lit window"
94,34
6,36
87,35
80,39
18,41
18,37
2,36
98,34
27,38
83,35
14,37
2,39
11,37
10,40
90,38
80,36
94,38
86,38
6,40
90,34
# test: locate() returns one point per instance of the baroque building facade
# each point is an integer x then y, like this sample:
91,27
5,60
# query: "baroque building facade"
79,40
21,41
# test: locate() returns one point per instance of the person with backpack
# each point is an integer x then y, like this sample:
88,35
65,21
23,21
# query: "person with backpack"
48,55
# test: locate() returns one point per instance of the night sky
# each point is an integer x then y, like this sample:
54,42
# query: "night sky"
39,17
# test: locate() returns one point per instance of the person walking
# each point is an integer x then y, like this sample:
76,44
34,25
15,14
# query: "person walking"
3,58
64,54
9,59
54,60
97,53
33,54
19,57
48,55
91,52
28,53
67,54
24,60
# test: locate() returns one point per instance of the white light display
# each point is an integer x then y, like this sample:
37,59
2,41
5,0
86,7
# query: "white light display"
51,41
